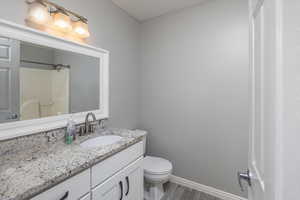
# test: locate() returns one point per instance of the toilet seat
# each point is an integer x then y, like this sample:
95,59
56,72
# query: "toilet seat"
157,166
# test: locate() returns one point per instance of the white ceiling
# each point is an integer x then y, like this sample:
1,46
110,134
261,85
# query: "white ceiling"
147,9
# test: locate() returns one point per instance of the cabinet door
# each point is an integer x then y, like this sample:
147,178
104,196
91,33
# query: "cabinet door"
112,189
125,185
134,182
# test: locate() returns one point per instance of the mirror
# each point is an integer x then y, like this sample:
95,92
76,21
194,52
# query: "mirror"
38,81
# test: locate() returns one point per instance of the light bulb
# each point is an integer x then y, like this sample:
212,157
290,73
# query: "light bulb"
62,22
81,29
38,13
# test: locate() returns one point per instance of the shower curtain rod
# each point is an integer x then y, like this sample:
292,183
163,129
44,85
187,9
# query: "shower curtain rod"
56,66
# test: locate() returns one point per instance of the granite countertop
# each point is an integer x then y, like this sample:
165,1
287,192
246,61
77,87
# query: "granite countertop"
25,173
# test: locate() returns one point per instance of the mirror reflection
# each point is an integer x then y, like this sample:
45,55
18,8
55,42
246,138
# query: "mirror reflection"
38,81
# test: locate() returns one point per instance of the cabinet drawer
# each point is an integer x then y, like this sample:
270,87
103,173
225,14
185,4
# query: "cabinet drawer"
112,165
73,188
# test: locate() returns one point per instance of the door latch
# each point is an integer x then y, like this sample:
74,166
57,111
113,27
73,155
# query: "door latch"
13,117
246,177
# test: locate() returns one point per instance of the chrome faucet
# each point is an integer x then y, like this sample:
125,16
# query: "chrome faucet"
90,125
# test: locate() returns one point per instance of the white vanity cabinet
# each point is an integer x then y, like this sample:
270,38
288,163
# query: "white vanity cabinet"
119,177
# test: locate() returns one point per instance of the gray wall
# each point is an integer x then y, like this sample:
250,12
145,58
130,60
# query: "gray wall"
193,79
36,53
84,80
112,29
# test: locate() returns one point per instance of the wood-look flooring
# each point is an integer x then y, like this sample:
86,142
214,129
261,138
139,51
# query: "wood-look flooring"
177,192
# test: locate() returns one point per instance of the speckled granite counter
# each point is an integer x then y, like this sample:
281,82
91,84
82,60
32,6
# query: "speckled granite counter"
40,164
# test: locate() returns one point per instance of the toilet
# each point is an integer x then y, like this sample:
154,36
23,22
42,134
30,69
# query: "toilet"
156,172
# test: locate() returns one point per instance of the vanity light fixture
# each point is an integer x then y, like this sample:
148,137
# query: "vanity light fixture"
81,29
62,21
52,16
38,13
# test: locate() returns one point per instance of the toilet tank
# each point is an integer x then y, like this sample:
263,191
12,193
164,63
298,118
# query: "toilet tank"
144,139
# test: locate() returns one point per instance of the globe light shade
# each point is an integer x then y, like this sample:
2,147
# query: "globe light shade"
62,22
38,14
81,29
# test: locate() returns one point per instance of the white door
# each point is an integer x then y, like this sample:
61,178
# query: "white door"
256,147
254,177
9,79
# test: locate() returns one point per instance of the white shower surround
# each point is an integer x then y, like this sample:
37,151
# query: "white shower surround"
49,100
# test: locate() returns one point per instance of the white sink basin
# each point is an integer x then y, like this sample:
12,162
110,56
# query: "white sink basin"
101,141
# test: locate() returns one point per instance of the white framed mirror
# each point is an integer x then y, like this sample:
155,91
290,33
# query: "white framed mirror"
44,80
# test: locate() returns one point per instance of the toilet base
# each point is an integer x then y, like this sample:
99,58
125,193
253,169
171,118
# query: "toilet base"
154,192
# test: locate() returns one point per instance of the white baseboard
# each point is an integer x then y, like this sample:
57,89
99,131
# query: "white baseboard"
206,189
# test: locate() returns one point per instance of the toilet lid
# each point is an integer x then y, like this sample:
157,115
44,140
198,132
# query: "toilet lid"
155,165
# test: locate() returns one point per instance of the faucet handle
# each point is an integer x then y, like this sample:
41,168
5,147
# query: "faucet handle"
92,127
102,123
81,130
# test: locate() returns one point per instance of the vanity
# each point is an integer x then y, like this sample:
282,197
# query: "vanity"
44,82
44,167
117,177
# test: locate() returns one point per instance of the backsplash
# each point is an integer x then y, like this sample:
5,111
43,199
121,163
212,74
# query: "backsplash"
33,142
